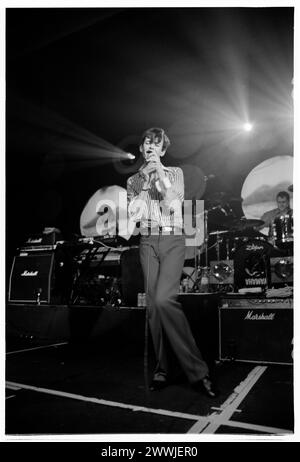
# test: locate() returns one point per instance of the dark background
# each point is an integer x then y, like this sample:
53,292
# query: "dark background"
83,83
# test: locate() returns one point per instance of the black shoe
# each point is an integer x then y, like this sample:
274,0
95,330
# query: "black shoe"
205,386
156,385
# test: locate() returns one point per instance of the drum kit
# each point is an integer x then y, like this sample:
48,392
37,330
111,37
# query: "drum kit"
221,239
228,238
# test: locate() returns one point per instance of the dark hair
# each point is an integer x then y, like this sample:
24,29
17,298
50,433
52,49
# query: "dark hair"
283,194
159,133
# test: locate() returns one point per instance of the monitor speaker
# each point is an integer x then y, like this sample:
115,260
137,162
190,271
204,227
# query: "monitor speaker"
256,330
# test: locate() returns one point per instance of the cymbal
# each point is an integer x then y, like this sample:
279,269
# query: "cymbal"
216,233
290,188
244,223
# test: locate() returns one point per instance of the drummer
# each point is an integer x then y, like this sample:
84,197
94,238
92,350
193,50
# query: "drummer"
283,208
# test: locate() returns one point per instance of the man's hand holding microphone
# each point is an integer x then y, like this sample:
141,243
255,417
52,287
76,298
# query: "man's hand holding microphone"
153,165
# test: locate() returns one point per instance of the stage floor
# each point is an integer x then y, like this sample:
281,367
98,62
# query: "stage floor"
98,385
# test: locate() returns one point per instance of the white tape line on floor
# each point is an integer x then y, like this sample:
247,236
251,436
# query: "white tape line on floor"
256,428
36,348
104,402
11,387
206,420
231,404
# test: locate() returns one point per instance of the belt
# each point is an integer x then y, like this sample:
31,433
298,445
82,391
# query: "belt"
157,230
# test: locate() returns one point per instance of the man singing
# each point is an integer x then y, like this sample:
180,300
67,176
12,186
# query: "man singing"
155,196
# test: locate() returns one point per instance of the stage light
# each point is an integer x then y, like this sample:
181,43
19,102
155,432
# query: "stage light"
130,156
248,127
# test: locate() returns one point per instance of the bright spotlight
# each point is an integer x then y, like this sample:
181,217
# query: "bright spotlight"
130,156
248,127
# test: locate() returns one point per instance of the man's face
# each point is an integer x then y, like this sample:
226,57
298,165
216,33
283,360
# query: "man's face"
283,203
152,145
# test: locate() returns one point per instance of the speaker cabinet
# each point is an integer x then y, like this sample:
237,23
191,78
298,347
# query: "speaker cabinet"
45,277
256,331
31,275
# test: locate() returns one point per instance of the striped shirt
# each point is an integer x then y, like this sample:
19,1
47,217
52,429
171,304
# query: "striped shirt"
149,207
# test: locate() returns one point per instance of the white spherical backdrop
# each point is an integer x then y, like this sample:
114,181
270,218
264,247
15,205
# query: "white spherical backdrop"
263,183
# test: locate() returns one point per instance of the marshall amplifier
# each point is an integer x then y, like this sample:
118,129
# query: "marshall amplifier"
39,278
47,237
256,330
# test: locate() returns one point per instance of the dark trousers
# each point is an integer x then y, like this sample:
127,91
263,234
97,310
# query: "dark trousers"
162,260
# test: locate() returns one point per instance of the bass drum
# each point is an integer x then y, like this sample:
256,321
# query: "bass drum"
238,241
252,264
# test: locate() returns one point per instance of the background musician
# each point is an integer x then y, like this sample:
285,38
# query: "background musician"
283,208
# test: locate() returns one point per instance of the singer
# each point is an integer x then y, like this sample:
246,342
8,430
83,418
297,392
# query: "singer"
155,195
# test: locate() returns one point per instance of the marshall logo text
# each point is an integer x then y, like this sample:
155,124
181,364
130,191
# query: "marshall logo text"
259,317
34,241
29,273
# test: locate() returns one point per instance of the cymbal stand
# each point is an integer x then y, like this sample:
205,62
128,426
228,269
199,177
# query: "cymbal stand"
197,260
199,269
206,237
198,252
219,240
227,249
